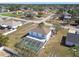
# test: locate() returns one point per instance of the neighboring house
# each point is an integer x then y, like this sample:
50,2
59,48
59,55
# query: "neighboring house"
36,38
72,39
8,26
65,16
7,52
74,30
11,24
3,9
14,24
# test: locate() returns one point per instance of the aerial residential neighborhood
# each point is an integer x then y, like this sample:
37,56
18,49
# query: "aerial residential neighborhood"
35,30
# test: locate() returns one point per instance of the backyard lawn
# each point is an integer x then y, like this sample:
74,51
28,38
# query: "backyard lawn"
54,48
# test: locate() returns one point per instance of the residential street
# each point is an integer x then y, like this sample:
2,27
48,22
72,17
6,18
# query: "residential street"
34,21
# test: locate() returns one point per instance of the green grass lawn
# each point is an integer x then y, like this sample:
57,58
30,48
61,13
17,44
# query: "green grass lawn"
9,14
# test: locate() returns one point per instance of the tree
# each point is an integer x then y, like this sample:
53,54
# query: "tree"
3,39
40,14
77,21
14,7
29,14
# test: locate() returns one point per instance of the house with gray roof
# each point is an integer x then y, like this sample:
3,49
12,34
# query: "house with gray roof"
72,39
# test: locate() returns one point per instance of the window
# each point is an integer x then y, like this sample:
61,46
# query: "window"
39,35
43,36
30,33
33,33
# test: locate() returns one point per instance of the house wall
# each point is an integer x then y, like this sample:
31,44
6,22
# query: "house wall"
37,35
48,35
41,36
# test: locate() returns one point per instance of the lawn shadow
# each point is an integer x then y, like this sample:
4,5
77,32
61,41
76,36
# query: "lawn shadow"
25,35
63,40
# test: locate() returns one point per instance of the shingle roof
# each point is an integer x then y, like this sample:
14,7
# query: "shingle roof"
71,37
41,29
